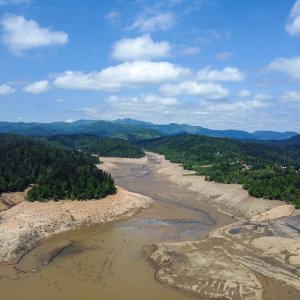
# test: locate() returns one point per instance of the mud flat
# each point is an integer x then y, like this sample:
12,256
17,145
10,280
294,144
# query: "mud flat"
249,252
23,225
107,259
257,257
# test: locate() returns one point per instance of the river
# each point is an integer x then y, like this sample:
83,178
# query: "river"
106,261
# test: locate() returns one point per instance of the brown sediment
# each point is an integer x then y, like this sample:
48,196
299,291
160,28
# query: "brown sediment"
253,258
8,200
23,225
52,252
236,255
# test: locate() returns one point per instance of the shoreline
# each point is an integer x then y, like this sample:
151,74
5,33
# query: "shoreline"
252,246
256,256
19,235
262,247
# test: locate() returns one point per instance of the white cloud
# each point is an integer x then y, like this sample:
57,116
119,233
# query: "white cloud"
226,55
89,111
291,96
6,90
226,74
142,47
289,66
205,90
157,21
244,93
149,99
262,97
127,75
142,106
37,87
212,35
237,106
293,24
69,121
21,34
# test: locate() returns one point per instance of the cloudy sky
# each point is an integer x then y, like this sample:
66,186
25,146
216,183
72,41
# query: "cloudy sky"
214,63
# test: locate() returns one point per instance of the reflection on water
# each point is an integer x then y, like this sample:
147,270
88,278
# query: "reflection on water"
105,262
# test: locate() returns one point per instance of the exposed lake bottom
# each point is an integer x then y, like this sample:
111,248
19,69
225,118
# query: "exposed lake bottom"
106,261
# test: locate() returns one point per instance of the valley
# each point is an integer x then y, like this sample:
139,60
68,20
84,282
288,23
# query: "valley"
111,259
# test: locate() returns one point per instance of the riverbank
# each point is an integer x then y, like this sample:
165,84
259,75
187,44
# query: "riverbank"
23,225
194,247
257,257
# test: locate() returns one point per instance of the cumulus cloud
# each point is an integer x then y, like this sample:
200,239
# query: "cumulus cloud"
293,23
89,111
6,90
142,47
144,99
142,106
69,121
38,87
226,74
21,34
291,96
244,93
127,75
262,97
156,21
289,66
237,106
205,90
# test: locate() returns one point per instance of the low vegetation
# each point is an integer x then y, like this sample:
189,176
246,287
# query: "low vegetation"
55,173
265,171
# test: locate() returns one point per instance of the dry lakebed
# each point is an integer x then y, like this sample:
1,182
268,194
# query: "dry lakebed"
166,234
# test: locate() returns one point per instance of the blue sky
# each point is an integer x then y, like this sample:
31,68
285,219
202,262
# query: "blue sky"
214,63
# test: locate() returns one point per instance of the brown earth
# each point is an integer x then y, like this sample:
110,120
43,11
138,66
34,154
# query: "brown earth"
257,257
23,225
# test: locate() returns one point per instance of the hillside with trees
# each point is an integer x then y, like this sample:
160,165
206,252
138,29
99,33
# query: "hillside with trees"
133,130
55,173
265,171
101,146
91,127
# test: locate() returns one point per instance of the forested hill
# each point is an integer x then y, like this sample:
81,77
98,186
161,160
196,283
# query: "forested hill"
91,127
132,130
264,170
102,146
56,173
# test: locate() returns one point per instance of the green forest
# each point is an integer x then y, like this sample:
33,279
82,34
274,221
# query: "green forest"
101,146
55,173
267,171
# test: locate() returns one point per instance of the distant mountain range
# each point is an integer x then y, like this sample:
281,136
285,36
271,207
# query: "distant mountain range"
134,130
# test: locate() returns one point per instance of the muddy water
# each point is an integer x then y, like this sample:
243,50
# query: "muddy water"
106,262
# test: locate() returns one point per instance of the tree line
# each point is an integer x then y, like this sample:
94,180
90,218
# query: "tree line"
54,173
264,170
101,146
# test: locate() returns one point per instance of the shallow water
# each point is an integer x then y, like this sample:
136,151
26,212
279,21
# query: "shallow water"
106,262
